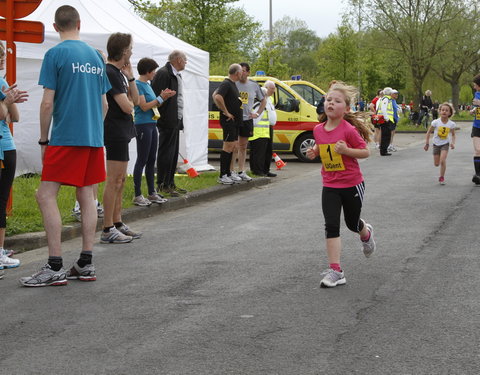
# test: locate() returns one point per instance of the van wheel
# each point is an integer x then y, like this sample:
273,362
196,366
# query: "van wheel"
301,145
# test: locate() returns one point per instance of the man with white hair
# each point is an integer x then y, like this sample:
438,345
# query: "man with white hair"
385,108
426,105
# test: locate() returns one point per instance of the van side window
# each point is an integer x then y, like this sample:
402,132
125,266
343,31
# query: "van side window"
308,93
212,87
285,101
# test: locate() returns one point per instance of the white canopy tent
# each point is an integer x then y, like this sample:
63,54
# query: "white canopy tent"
99,19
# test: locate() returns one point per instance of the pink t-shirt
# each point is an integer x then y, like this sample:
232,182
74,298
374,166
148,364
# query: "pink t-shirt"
339,171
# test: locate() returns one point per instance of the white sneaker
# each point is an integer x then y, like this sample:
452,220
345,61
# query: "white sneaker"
8,262
392,148
235,177
369,246
332,278
377,146
225,180
244,176
141,201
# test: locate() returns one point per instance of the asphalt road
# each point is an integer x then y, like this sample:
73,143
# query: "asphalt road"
232,286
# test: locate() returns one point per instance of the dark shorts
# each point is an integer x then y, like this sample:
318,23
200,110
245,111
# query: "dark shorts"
117,151
246,128
475,132
438,149
74,165
230,131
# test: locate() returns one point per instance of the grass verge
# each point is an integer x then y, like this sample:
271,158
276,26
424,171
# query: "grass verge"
26,215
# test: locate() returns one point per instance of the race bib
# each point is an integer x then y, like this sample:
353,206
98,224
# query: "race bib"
331,161
244,97
477,113
443,132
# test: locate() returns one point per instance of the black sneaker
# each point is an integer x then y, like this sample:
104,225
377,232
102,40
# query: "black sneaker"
476,179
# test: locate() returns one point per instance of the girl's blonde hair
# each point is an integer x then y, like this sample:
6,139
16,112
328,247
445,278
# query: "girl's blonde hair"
357,119
447,104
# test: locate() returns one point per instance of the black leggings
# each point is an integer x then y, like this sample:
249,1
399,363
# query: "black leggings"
7,174
147,143
333,199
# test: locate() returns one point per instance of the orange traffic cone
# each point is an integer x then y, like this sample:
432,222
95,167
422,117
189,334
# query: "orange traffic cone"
279,162
189,169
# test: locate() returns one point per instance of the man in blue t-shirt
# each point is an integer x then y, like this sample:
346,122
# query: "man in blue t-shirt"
75,82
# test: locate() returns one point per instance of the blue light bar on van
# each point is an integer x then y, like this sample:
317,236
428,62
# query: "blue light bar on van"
297,78
260,73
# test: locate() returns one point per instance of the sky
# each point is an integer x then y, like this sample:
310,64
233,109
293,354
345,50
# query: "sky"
321,16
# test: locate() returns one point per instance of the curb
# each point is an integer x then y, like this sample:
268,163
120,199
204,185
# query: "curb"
29,241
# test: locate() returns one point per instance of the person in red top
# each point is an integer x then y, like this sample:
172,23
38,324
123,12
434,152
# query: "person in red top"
340,141
373,109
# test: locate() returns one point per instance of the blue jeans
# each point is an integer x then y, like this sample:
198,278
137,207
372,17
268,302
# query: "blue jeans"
147,143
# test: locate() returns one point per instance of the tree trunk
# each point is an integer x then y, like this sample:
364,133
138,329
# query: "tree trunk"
455,93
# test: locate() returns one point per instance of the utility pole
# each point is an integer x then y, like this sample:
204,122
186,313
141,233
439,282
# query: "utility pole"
358,49
270,62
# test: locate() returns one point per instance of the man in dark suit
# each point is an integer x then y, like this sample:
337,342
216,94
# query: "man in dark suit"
170,122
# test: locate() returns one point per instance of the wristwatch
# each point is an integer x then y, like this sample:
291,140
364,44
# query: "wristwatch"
43,143
131,79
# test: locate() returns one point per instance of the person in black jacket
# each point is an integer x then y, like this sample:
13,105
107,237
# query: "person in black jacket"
426,105
170,122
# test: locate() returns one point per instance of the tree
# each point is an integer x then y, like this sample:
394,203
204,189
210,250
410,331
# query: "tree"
414,28
211,25
463,53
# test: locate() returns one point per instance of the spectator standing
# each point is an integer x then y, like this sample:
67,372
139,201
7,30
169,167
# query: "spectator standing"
249,92
476,130
119,130
74,97
396,117
8,113
146,132
227,99
170,122
385,108
426,105
261,141
373,109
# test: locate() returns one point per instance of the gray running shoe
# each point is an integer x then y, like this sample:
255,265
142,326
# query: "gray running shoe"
128,232
45,277
225,180
244,176
156,198
369,246
77,214
114,236
86,273
332,278
235,177
99,211
141,201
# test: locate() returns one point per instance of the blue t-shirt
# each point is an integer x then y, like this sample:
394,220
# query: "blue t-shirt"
476,119
395,110
76,72
6,142
142,117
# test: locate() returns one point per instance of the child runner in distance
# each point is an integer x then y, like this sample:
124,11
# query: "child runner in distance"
443,130
340,141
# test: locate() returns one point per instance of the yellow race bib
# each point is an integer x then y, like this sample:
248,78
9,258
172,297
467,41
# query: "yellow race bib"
244,97
331,160
477,113
443,132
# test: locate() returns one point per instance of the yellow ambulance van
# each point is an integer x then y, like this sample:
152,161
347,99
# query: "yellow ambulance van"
307,90
296,119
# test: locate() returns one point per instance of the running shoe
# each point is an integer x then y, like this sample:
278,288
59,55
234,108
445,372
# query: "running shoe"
441,180
124,229
8,253
235,177
2,272
179,189
369,246
86,273
77,214
476,179
141,201
157,198
114,236
225,180
99,211
45,277
8,262
332,278
244,176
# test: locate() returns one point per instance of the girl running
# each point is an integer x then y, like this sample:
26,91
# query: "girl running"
340,141
443,130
